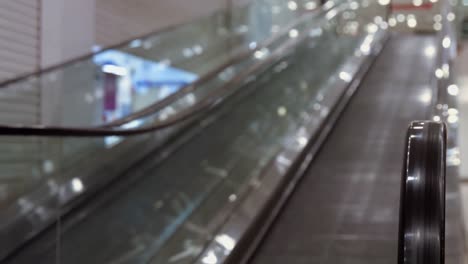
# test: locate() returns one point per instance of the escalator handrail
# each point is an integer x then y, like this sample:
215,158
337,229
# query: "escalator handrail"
186,89
422,201
90,55
213,98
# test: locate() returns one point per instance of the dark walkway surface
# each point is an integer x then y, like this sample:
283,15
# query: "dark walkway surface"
346,208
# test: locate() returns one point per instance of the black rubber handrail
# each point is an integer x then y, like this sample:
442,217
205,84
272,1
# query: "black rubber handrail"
422,205
211,100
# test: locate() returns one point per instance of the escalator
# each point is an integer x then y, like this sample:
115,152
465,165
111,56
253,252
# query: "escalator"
210,169
294,159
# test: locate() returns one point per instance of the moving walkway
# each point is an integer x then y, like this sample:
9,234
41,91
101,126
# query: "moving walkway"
291,152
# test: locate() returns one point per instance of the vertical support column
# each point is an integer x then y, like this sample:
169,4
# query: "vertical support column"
67,32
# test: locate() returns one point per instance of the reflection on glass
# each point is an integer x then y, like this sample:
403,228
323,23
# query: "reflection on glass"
116,83
132,83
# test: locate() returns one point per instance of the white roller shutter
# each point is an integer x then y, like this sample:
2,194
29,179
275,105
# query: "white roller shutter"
21,161
19,54
19,37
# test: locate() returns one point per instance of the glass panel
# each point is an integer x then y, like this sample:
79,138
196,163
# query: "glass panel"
163,199
120,81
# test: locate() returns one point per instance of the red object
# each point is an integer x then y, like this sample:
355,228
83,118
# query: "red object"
402,7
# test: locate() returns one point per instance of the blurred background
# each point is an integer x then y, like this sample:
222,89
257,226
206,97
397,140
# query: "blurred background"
228,131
